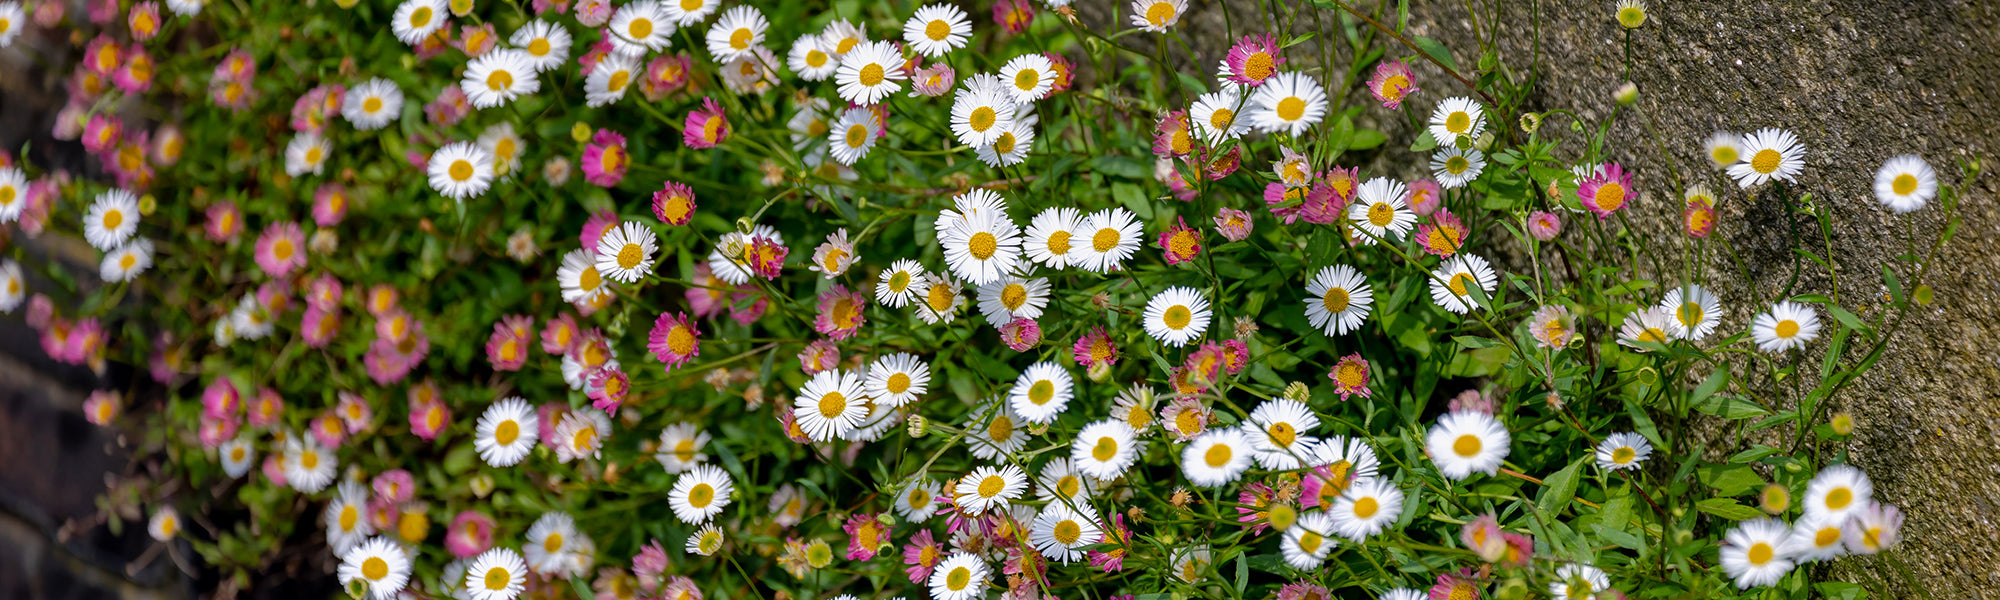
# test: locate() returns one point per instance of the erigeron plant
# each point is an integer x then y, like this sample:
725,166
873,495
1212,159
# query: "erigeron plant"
888,300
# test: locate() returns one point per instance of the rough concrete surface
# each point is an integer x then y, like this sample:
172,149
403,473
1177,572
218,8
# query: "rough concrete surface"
1859,81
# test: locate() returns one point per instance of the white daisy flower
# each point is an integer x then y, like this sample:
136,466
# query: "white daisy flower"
1340,300
1157,15
380,563
1623,451
1214,115
164,524
810,58
1289,102
1308,541
186,8
625,253
641,27
1010,147
1455,168
1059,481
897,379
1838,491
306,153
1346,461
1010,297
461,170
506,147
1873,529
507,432
1278,430
869,73
680,447
987,488
831,404
126,262
1217,457
1724,149
1404,594
1051,235
960,576
1061,533
1028,77
1578,582
940,298
787,506
551,540
690,12
918,501
980,110
699,494
418,19
1694,311
1646,325
579,278
1754,552
705,541
373,104
843,36
740,29
937,29
1817,538
609,81
998,435
1177,316
308,466
1105,449
897,285
112,219
1381,209
580,434
727,262
1041,392
1467,441
1905,183
497,574
1769,154
13,194
13,287
1366,509
876,420
853,136
980,246
1452,283
546,44
1456,117
237,456
1109,238
1190,564
346,518
11,18
1788,325
498,77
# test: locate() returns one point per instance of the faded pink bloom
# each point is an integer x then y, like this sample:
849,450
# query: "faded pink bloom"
273,470
266,410
1180,243
329,204
1065,72
1462,585
1393,82
1234,225
429,417
1472,400
648,564
935,80
1094,348
766,257
102,407
506,349
318,325
1442,235
840,312
608,388
1544,225
558,333
1117,539
1350,377
475,40
1285,203
1013,15
665,75
1698,220
1252,60
471,533
213,432
705,127
281,249
327,429
395,486
1304,590
1173,137
1426,197
819,356
1254,505
865,536
1021,334
604,159
221,400
449,108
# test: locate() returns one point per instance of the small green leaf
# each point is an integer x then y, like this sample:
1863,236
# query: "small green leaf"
1365,139
1729,480
1298,40
1730,407
1841,590
1133,199
1895,286
1559,488
1708,386
1474,341
1424,143
1436,51
1728,509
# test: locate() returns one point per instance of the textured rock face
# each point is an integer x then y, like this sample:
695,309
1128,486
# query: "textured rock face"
1859,81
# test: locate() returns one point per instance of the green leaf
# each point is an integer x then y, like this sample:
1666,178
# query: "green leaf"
1619,537
1298,40
1729,480
1728,509
1841,590
1122,166
1133,199
1708,386
1559,488
1474,341
1753,454
1436,51
1895,285
1242,573
1365,139
1424,143
1730,407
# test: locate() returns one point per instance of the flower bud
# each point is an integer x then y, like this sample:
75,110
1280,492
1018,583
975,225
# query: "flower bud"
1297,391
1530,122
1774,499
1627,94
580,132
915,426
1842,424
481,484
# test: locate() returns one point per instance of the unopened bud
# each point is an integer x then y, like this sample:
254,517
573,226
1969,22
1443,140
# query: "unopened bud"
1530,122
580,132
1627,94
1842,424
1774,499
481,484
1098,371
1297,391
915,426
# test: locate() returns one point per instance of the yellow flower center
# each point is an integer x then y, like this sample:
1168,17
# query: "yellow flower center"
420,17
1458,122
375,568
871,74
958,579
1904,184
1459,283
640,28
1787,328
857,135
940,298
1042,392
992,485
1282,433
1760,553
1350,375
1259,66
740,40
497,578
499,80
1335,300
349,517
309,459
1623,455
983,245
1027,79
1766,161
691,5
1827,536
540,47
982,118
701,495
1291,108
506,432
1310,542
1839,498
1068,532
1690,314
1005,143
1001,429
553,543
1653,334
618,81
1467,446
461,170
1366,507
371,104
1457,165
1159,13
1381,214
126,262
630,255
1610,196
1177,317
832,404
113,218
1393,86
1217,455
937,30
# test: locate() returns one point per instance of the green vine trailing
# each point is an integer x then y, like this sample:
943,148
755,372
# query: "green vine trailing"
695,299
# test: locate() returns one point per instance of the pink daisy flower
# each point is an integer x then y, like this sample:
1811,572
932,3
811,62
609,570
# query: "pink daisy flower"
1304,590
311,112
1606,191
747,304
1065,72
1392,83
1350,377
323,291
819,356
220,400
674,203
102,407
136,75
840,312
865,536
1173,137
766,257
318,325
922,554
648,564
1325,483
594,228
506,349
1205,363
281,249
395,486
1426,197
558,333
1021,334
1698,220
665,75
604,159
450,107
101,133
1013,15
238,65
674,339
471,533
267,408
329,204
1323,204
1285,203
381,299
1544,225
355,412
1180,242
272,470
1252,60
608,389
935,80
102,55
706,126
144,20
475,40
1254,511
1472,400
1444,235
327,430
705,297
232,94
1095,348
1234,225
213,432
429,418
1235,356
1117,538
1184,418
